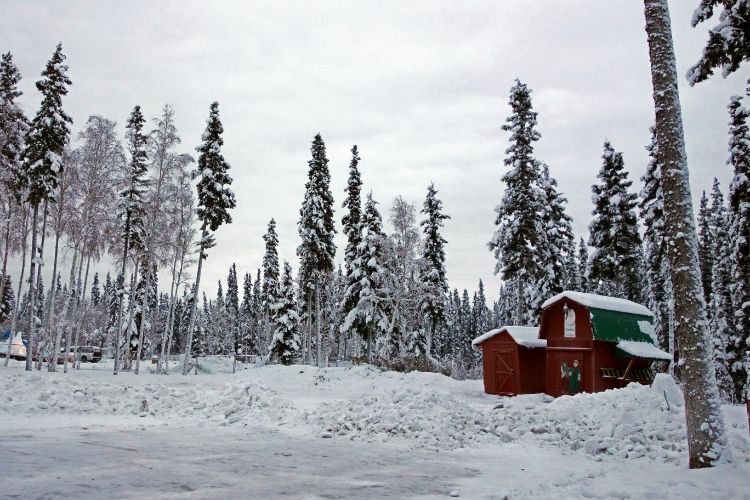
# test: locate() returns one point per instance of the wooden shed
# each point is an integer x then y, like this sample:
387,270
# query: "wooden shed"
513,360
596,343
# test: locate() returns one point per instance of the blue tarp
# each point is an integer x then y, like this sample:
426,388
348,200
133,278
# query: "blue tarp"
6,335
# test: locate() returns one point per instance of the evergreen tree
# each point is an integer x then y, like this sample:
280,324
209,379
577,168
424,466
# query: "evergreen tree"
652,214
614,264
432,272
13,128
705,257
42,168
725,355
285,343
232,307
583,263
215,199
132,210
353,205
96,294
316,229
351,223
247,340
480,312
7,300
370,310
728,43
739,208
558,243
519,223
271,266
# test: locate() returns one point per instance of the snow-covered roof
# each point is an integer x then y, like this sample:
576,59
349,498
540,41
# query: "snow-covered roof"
643,350
600,302
527,336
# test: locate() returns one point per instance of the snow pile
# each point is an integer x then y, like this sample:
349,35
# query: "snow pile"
426,418
247,403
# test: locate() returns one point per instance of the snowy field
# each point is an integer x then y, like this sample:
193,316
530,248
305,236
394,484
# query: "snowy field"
303,432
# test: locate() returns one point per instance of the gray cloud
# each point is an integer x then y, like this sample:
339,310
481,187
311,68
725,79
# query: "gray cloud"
421,87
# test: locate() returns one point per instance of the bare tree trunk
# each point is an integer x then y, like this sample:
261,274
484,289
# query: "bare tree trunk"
131,312
43,333
168,327
705,423
82,316
51,306
121,294
520,310
32,288
194,306
6,250
144,310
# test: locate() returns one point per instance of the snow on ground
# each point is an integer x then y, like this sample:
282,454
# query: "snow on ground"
304,432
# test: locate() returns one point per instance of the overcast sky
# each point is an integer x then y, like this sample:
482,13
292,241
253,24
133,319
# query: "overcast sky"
420,87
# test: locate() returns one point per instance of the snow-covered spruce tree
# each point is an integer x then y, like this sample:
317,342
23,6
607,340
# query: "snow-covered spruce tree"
728,43
316,229
352,230
558,243
705,258
285,343
720,311
705,424
520,227
270,280
371,311
613,232
432,272
45,142
479,310
583,265
215,199
739,209
232,308
96,292
247,317
132,214
13,128
652,213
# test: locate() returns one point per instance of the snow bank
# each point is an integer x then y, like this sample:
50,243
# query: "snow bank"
428,419
248,402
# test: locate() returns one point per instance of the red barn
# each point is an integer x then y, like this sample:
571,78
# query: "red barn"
596,343
513,360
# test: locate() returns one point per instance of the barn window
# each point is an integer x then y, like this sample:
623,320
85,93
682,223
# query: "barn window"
570,321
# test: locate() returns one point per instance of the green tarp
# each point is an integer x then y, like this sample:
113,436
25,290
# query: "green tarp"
613,326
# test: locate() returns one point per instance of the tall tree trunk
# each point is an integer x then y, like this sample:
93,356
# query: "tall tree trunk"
168,327
43,333
20,281
520,309
82,315
132,298
51,307
194,305
319,346
144,310
32,288
2,279
705,424
121,295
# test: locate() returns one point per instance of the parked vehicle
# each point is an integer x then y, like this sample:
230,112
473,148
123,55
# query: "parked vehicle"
87,353
17,346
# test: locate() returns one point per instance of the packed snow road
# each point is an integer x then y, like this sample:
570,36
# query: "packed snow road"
303,432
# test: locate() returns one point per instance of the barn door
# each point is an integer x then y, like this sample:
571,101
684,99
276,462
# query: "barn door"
505,371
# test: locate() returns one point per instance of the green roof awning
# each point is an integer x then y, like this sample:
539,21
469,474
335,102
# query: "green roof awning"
615,326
